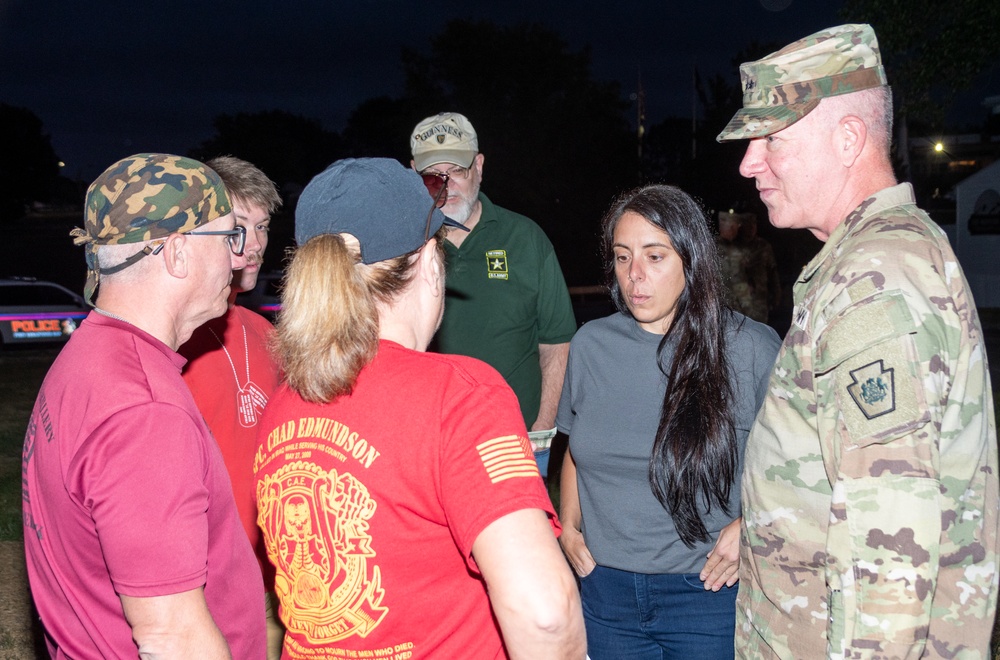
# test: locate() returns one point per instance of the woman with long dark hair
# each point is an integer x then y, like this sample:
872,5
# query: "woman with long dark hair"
657,402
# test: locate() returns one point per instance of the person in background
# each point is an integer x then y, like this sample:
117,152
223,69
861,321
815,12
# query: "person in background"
399,499
765,284
508,304
132,538
870,490
230,369
658,401
734,263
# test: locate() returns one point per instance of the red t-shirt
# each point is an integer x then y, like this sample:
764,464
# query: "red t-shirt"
125,493
370,506
232,375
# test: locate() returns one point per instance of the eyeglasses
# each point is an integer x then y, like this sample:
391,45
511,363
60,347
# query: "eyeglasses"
237,242
435,182
459,173
237,239
437,186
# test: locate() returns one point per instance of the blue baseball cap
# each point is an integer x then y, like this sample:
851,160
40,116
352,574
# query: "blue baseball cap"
377,200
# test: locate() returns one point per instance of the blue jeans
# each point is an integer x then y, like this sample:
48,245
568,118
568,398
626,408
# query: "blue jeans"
542,458
633,616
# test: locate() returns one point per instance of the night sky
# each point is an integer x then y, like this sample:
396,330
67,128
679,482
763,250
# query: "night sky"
116,77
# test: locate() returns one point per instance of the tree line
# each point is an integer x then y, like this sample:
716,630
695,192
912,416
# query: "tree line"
559,144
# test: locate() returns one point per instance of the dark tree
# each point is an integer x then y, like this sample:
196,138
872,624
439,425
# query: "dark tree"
688,156
931,51
29,169
380,127
289,148
556,143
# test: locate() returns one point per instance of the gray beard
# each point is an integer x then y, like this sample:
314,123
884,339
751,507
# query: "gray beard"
463,210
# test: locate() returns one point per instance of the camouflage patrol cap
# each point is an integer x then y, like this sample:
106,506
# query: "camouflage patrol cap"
145,197
787,85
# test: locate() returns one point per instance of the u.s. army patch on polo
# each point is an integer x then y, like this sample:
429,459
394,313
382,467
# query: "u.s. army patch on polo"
496,264
873,389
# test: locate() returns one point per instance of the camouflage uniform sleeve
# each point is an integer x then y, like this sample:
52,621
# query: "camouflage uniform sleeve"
873,381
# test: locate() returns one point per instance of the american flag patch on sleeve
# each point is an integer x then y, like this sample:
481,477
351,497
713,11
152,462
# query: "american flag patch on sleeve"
507,457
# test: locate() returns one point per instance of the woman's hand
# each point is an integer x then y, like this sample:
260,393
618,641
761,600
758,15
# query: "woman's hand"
571,539
723,565
576,551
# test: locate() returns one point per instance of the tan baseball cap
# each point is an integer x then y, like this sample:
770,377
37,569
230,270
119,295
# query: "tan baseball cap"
447,137
785,86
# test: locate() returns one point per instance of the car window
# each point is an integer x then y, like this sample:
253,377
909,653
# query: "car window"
25,294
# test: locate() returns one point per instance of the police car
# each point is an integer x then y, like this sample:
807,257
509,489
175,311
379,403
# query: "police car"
37,311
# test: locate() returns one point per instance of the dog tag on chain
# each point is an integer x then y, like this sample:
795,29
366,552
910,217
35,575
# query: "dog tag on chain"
250,402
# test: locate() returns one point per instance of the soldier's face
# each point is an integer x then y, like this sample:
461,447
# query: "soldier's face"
728,229
797,173
649,271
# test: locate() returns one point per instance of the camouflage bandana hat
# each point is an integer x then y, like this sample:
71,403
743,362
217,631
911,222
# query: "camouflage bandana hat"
142,198
785,86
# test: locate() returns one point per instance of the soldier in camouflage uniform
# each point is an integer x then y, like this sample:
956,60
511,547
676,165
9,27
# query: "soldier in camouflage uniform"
870,493
734,264
132,538
762,269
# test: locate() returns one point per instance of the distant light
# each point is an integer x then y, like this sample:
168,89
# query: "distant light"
62,164
938,147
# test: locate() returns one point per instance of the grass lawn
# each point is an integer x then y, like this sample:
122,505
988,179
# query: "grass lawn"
23,373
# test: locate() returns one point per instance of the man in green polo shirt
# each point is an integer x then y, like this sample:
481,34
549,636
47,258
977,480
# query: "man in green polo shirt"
507,302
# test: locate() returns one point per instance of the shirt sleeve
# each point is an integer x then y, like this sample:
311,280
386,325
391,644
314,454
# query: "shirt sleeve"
488,468
142,477
565,414
881,455
556,323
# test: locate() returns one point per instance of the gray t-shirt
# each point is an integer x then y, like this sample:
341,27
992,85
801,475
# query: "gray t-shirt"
610,408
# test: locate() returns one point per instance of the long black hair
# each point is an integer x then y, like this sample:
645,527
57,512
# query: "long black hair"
694,457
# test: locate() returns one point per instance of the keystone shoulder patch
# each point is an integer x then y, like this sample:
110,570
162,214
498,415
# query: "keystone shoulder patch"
873,389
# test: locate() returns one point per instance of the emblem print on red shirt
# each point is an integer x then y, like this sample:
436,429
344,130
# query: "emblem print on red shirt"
317,524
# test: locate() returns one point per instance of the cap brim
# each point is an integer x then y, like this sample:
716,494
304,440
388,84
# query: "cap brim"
454,224
462,158
439,218
750,123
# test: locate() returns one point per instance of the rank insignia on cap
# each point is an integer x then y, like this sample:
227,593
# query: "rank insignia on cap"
496,264
872,389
